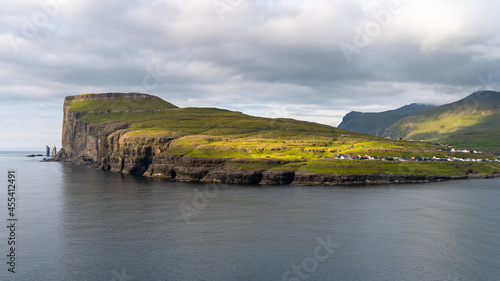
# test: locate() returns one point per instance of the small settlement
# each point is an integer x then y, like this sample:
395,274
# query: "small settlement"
417,158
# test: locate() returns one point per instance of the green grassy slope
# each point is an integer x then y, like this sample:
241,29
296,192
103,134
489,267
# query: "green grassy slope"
212,132
121,103
368,122
473,123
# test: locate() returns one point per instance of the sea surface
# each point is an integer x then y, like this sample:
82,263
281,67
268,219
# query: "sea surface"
80,223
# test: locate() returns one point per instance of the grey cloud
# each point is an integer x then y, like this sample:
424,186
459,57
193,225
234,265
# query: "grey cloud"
255,56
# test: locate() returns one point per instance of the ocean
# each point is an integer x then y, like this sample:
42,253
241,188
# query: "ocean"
74,222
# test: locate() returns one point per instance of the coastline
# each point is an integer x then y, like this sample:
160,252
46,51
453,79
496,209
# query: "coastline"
218,170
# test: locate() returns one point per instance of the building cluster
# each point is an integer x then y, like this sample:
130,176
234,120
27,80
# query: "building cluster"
453,150
414,158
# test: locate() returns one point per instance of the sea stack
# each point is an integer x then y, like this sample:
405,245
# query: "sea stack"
47,150
54,152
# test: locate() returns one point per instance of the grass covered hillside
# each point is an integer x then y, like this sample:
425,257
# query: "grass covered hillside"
212,132
117,102
472,123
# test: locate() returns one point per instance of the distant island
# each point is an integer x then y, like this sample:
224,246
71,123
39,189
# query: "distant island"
34,155
142,134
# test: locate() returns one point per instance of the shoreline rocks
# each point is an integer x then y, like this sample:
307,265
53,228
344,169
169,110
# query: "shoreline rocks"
219,170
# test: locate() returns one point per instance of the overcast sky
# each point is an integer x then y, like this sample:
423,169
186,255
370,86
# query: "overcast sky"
309,60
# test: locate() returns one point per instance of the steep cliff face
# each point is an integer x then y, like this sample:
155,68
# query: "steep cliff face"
79,139
104,145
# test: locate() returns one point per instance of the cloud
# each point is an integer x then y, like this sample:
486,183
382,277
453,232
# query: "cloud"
272,58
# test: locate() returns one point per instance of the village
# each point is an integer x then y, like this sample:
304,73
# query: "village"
350,156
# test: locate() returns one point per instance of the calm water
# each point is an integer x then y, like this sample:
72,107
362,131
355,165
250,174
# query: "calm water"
79,223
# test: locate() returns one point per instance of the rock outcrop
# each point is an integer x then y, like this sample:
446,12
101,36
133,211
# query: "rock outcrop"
47,151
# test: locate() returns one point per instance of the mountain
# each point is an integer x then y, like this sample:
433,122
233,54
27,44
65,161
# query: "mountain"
145,135
472,123
369,122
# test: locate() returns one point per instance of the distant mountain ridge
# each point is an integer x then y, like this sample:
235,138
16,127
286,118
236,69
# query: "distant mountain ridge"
472,122
370,122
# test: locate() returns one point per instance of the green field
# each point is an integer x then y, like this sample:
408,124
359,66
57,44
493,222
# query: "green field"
122,103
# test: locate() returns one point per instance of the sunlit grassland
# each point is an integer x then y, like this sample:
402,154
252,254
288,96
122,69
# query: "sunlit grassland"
434,128
210,132
122,103
305,149
472,131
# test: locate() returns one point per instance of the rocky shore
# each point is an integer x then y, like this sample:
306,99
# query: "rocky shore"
221,170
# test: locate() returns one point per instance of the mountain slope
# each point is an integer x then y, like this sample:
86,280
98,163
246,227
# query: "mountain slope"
473,123
369,122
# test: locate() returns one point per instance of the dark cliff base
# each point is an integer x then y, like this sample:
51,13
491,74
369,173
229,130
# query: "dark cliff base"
220,170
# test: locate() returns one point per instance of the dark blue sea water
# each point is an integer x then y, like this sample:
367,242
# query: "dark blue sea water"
80,223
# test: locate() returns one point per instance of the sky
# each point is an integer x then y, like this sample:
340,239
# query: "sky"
308,60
